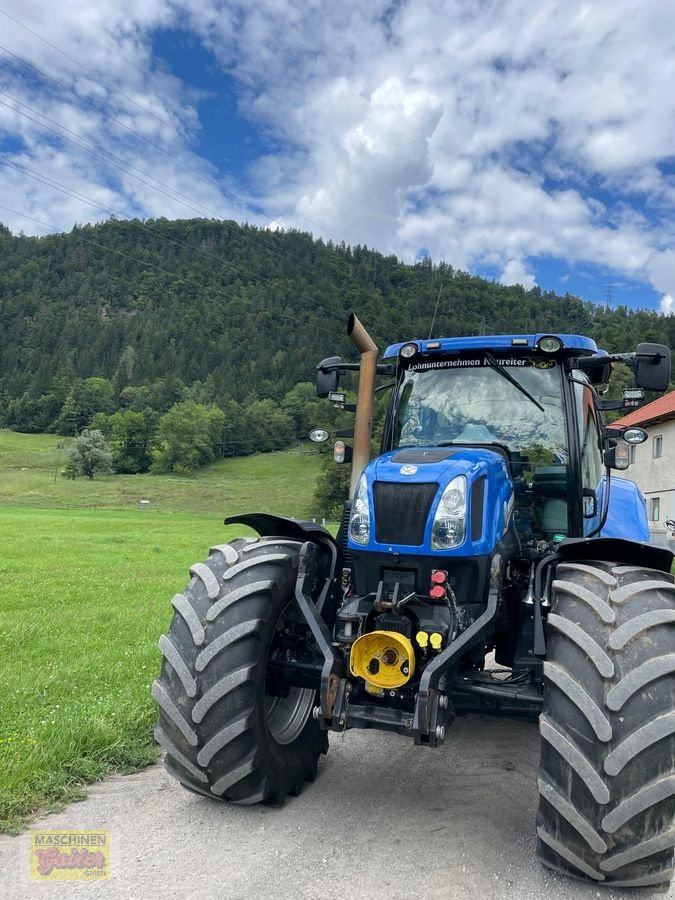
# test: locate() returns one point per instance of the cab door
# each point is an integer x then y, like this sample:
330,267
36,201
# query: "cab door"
591,468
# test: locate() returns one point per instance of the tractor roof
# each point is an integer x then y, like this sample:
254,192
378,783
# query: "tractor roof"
578,345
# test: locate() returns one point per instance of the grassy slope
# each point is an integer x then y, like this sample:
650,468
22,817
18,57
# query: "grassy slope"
275,482
86,594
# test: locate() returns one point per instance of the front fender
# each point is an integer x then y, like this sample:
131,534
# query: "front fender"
330,554
618,550
269,525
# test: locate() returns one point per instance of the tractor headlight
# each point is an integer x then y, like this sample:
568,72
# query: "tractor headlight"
449,526
359,521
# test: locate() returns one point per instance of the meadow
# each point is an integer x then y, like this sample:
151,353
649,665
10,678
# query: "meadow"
87,579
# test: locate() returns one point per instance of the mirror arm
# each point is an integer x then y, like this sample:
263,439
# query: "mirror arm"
382,368
629,359
590,362
339,367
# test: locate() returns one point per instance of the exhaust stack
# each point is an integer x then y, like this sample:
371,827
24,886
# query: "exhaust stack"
363,425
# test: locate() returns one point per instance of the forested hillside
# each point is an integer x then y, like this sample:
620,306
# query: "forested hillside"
138,316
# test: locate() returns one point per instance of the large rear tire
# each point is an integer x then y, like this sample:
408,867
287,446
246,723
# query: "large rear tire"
607,778
224,734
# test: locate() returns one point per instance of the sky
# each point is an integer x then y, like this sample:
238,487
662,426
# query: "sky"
530,143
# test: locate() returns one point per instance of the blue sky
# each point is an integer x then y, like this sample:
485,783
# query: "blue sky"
227,139
532,144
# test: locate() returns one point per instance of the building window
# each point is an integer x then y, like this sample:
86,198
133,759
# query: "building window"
655,509
657,446
632,453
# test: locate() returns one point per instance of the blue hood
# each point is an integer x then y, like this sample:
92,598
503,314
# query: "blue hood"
487,477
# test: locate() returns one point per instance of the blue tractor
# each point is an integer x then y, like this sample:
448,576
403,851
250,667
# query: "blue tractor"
487,562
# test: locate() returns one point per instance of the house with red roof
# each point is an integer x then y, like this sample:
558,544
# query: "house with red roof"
653,464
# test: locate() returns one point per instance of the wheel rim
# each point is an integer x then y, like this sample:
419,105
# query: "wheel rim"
287,716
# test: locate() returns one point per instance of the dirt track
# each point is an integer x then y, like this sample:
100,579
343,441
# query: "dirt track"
383,820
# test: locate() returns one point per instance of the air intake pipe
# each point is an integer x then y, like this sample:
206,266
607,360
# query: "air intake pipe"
363,426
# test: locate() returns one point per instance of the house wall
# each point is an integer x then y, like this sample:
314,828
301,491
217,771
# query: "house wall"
656,479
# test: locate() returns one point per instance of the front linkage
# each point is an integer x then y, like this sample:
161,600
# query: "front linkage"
442,692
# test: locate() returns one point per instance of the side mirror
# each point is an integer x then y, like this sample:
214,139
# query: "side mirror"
652,367
631,435
328,376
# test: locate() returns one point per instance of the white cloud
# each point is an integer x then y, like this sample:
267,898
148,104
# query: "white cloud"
661,265
666,305
541,133
363,181
516,273
93,144
488,133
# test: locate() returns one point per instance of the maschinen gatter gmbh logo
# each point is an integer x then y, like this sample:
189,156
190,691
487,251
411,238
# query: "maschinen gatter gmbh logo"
69,855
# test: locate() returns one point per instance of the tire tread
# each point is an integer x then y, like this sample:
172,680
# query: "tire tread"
607,795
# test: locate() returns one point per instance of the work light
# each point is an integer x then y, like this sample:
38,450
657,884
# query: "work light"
408,351
550,344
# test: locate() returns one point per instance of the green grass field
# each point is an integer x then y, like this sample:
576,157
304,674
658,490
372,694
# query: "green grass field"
87,580
30,466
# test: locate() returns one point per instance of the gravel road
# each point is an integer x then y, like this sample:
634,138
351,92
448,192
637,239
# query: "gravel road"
383,820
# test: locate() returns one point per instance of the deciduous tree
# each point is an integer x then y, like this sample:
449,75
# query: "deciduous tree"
89,455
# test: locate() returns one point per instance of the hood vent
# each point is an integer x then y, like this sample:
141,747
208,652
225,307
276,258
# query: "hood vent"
422,456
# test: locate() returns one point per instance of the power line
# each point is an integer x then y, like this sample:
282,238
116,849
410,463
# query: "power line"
103,155
150,265
141,137
103,112
89,72
107,157
438,300
50,182
175,195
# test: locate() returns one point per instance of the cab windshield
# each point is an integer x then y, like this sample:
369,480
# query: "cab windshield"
515,402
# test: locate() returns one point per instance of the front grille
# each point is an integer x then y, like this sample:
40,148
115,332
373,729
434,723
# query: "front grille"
401,511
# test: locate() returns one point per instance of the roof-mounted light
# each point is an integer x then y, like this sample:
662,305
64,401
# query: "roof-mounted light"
407,351
549,345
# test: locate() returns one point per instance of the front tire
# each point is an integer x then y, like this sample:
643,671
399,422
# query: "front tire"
224,734
607,778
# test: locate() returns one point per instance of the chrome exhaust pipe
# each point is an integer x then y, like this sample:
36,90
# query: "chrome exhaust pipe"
363,425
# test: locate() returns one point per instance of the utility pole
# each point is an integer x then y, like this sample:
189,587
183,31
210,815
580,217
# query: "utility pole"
609,296
58,459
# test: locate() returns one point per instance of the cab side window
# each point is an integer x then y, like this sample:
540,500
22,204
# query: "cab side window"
590,443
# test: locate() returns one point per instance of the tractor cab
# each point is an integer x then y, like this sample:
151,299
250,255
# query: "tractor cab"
512,419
